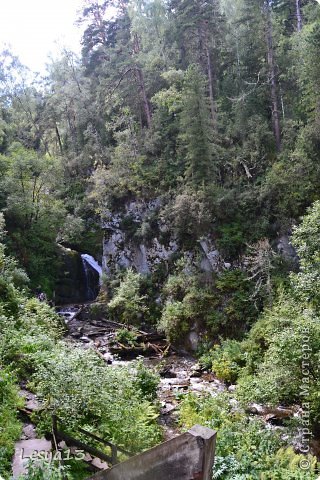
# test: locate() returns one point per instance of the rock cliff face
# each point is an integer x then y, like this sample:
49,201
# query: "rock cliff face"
139,238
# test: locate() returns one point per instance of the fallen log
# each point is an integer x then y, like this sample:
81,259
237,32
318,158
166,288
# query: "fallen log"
144,349
271,412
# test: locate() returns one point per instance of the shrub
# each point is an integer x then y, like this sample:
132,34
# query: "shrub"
10,426
128,337
233,310
224,306
225,360
127,305
45,471
81,390
275,353
306,239
41,317
232,239
36,330
53,470
146,381
174,320
188,215
245,448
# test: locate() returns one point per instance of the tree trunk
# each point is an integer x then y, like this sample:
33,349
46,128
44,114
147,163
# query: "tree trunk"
59,138
98,16
299,16
143,93
204,46
142,85
211,93
272,76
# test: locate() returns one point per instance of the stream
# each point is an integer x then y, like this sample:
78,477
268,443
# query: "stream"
179,372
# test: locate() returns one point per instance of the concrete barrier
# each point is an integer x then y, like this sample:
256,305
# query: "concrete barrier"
189,456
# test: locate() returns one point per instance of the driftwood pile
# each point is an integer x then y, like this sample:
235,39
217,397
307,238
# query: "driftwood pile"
103,334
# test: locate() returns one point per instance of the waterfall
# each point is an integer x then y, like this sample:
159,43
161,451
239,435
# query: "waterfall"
93,263
91,267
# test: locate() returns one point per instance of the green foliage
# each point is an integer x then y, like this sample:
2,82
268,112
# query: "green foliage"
174,100
73,228
146,381
45,471
223,306
306,239
76,385
73,383
34,212
125,336
235,309
11,278
232,239
260,263
269,362
70,470
10,426
246,449
40,315
9,302
277,343
36,330
196,131
175,320
127,304
225,360
185,303
166,97
188,215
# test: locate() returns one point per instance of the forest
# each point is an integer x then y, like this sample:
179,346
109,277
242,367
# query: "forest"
209,111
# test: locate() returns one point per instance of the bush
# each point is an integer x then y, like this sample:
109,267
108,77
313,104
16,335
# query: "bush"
225,360
189,216
128,337
146,381
127,305
306,239
41,317
81,390
36,330
234,310
10,426
46,471
245,449
174,320
8,299
232,239
275,355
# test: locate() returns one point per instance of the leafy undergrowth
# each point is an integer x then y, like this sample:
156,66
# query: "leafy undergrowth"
246,449
10,426
70,470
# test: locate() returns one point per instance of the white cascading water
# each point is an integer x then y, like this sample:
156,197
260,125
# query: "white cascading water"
90,263
93,263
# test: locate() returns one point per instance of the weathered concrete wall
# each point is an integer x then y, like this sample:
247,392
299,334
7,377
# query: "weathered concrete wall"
187,457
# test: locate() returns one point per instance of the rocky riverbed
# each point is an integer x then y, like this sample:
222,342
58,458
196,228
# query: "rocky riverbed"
179,372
